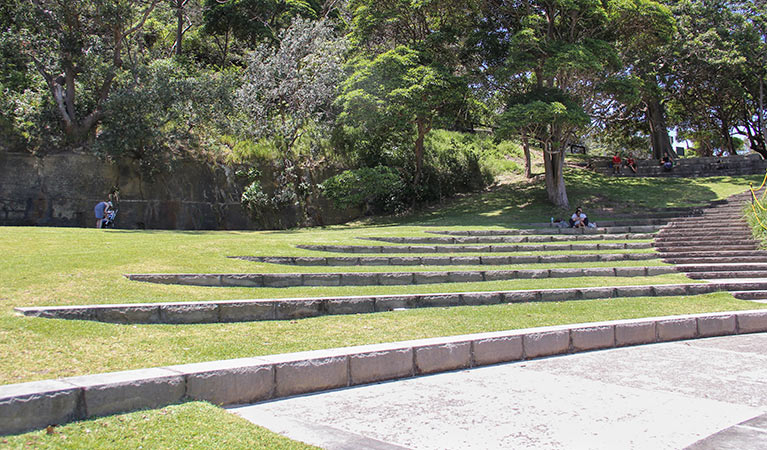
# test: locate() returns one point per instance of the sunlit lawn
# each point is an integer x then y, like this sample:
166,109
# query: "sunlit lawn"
45,266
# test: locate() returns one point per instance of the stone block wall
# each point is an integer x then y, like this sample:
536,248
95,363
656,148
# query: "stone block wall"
62,190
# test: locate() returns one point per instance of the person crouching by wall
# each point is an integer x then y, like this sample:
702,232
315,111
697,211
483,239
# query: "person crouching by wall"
101,210
579,219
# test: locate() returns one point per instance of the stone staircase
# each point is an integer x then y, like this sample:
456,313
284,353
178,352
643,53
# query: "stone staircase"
712,246
718,245
690,167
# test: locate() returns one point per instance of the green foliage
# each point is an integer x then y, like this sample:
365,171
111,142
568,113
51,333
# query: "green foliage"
377,189
166,113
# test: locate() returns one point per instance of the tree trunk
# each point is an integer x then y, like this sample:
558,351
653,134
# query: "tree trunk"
423,128
553,159
656,120
526,149
179,25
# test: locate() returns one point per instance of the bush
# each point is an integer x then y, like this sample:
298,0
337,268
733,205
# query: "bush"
376,189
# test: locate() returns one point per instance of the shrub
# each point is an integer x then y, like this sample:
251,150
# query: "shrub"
375,189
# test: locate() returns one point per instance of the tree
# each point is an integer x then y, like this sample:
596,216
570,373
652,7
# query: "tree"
558,48
399,95
77,48
287,97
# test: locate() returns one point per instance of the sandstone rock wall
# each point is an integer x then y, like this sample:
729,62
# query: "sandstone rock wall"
62,190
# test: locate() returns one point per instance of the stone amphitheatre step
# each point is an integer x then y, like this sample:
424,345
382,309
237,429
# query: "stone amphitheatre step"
715,275
701,248
722,254
712,241
445,260
688,236
750,295
682,245
279,280
722,267
606,223
685,232
477,248
297,308
551,231
711,260
511,239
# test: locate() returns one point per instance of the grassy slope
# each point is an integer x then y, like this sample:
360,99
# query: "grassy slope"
42,266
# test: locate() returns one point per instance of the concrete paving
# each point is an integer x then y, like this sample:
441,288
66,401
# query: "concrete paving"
706,393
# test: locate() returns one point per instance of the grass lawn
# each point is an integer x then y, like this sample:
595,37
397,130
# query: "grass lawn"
46,266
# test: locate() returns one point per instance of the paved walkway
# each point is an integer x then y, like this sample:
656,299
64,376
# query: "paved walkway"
708,393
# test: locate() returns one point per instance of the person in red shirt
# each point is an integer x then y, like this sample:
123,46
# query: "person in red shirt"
617,164
631,164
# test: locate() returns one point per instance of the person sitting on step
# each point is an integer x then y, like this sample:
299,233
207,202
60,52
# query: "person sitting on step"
579,219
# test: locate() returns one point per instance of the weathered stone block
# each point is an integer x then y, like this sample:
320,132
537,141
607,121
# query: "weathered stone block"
189,313
677,329
373,261
342,261
482,298
697,289
276,280
465,260
660,270
379,366
717,325
396,278
435,260
442,357
635,291
246,311
405,260
118,392
532,273
634,333
465,277
497,350
311,261
232,385
601,271
630,271
752,322
557,295
28,406
430,277
495,260
203,279
521,296
129,314
437,300
670,290
591,293
394,302
568,272
321,279
350,306
546,343
359,279
298,309
593,338
500,275
304,376
242,280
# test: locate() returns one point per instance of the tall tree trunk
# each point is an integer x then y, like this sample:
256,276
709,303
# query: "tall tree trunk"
179,25
656,119
423,128
526,149
554,159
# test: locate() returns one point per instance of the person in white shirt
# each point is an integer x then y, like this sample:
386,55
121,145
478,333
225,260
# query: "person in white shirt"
579,219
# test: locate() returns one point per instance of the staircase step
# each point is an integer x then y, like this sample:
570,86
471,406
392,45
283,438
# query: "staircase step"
279,280
650,229
297,308
511,239
723,267
477,248
716,260
750,295
675,249
762,274
445,260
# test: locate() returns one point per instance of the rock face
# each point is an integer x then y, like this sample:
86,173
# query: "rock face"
62,190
